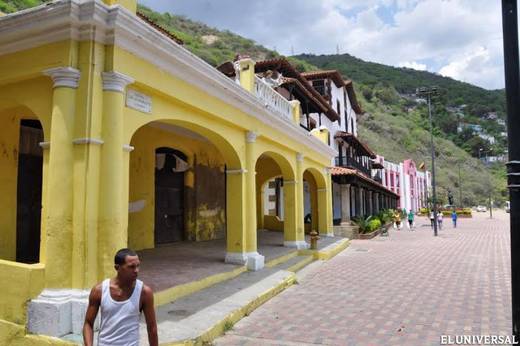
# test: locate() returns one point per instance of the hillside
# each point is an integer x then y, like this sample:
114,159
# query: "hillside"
394,124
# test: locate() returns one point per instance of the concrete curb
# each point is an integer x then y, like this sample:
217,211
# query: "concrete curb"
329,251
234,316
174,293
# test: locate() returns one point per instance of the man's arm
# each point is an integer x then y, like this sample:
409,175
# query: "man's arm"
149,314
94,300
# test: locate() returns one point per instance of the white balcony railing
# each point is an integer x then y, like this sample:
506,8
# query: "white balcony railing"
272,99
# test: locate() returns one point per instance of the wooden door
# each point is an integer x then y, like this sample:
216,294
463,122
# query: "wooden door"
169,203
29,193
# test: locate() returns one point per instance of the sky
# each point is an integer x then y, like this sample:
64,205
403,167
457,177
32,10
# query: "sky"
461,39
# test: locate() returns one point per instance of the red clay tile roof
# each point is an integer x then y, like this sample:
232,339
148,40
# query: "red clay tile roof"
334,75
338,80
159,28
304,90
354,172
353,140
288,70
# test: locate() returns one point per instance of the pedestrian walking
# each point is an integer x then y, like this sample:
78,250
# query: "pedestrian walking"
397,220
410,220
454,218
121,300
439,219
432,218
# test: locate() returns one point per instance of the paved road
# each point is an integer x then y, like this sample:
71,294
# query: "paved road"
407,289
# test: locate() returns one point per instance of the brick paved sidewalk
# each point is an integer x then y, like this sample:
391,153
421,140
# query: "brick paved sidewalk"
407,289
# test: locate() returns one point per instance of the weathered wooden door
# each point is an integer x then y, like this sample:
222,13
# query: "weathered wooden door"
169,201
29,192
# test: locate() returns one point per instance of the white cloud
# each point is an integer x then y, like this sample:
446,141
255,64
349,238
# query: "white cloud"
440,34
413,64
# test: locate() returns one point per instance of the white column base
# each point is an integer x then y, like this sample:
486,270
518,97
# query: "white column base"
330,234
255,261
236,258
57,312
298,244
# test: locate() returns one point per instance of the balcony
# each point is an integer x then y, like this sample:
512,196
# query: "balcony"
272,99
377,176
350,162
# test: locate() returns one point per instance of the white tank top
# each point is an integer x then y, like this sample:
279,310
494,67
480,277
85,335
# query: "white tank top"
119,320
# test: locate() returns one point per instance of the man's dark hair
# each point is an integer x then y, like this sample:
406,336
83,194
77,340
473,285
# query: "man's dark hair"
120,256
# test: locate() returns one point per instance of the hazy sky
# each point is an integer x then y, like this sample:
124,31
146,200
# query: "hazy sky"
457,38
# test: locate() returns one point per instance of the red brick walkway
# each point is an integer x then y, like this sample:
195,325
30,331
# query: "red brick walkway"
407,289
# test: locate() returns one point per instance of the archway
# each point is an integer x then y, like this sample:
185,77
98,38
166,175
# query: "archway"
276,198
315,199
21,182
177,187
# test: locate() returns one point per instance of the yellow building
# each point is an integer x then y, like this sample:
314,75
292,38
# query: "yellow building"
114,135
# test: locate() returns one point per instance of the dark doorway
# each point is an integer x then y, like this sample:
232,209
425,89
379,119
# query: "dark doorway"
29,192
169,196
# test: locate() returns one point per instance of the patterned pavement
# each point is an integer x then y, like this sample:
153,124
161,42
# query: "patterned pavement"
406,289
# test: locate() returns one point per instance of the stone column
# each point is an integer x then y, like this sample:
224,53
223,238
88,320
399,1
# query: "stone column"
236,216
345,204
255,261
113,194
56,248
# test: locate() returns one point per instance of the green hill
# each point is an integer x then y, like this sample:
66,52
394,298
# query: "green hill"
394,123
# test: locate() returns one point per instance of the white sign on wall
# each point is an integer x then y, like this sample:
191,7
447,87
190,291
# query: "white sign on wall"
138,101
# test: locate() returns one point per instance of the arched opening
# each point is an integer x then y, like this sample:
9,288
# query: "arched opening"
20,185
177,187
170,166
315,200
29,192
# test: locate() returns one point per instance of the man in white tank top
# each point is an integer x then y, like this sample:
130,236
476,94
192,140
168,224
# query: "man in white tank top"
121,300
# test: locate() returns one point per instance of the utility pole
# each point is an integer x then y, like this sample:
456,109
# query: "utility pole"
460,189
428,92
512,79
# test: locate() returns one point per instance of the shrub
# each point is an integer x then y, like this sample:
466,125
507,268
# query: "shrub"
374,224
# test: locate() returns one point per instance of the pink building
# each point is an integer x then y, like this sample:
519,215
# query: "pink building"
410,183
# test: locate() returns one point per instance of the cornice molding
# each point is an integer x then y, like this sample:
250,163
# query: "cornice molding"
67,77
93,20
115,81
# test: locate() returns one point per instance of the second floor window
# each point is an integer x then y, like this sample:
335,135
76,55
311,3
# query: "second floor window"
338,106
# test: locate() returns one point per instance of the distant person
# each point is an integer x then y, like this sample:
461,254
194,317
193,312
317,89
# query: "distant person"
454,218
432,218
410,220
121,300
397,220
439,219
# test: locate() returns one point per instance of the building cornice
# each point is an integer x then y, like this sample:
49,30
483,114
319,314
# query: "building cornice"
114,25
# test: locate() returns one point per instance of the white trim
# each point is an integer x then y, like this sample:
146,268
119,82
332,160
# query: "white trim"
300,157
290,182
321,190
88,141
251,136
93,20
67,77
45,145
115,81
236,171
128,148
298,244
236,258
255,261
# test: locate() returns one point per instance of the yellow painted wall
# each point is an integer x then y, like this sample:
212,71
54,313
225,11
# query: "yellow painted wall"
202,220
20,282
13,334
273,223
9,137
131,5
